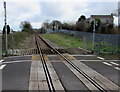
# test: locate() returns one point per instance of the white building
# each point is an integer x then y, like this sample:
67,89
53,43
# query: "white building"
104,18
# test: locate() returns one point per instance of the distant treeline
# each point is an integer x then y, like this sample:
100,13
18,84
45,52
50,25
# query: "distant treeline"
82,24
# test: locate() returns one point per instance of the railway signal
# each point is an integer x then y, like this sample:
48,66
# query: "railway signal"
8,29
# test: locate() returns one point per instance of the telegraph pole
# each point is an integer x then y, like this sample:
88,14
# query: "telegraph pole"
5,26
93,35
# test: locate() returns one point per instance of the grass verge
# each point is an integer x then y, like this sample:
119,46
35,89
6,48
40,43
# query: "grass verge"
66,41
73,42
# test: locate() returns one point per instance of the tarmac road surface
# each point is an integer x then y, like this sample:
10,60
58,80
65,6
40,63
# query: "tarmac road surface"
15,76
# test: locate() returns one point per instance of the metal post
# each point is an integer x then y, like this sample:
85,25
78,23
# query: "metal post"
93,36
5,26
99,46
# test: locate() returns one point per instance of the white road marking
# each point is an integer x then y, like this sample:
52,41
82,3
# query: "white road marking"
101,58
114,63
74,55
19,56
16,61
107,63
2,66
82,55
117,68
1,60
89,60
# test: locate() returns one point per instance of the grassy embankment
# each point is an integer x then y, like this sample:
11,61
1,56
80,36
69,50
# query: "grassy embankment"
67,41
15,40
72,42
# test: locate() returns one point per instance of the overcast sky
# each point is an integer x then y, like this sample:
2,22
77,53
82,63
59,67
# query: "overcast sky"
38,11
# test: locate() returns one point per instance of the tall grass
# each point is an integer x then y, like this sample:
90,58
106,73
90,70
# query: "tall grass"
16,38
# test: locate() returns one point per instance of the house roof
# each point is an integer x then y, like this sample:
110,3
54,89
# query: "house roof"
101,16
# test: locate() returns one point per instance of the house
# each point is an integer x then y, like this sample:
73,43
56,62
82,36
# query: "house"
104,18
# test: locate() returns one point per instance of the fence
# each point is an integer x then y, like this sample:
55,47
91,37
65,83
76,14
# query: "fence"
110,40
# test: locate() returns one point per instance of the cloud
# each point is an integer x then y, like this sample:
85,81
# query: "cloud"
102,8
63,11
74,10
36,24
37,11
62,0
20,11
1,15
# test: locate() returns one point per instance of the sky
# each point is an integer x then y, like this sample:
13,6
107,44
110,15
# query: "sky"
39,11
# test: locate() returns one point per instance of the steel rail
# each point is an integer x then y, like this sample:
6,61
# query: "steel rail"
76,67
47,74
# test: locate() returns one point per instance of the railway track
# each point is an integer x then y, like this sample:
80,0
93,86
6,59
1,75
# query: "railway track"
47,74
68,61
38,41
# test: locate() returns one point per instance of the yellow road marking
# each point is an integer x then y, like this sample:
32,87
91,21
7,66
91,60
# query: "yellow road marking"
69,57
37,58
46,58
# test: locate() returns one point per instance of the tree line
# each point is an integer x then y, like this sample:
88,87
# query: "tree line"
84,25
